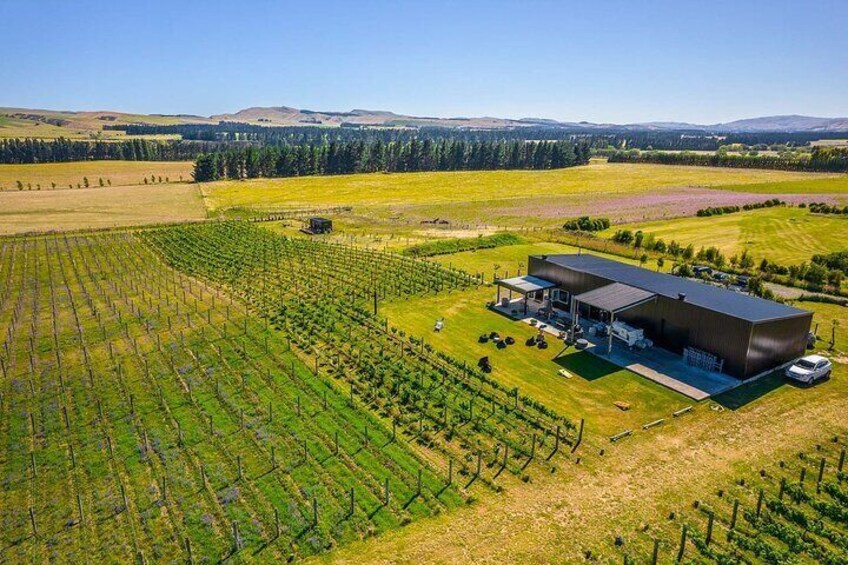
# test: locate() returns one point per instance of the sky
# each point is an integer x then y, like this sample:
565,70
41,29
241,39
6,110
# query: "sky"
600,61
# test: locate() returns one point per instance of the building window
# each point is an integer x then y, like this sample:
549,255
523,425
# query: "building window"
560,297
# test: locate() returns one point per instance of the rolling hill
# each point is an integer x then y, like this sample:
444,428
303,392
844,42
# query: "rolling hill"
23,122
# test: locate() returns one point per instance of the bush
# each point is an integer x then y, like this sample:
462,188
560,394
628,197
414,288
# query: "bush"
455,245
586,223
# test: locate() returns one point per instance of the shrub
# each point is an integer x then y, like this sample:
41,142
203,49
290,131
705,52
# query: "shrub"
586,223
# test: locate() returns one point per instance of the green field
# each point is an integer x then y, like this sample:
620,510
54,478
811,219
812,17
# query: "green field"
783,235
121,347
596,384
832,185
492,197
386,209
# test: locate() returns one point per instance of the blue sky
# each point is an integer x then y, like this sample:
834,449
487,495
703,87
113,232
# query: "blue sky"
615,61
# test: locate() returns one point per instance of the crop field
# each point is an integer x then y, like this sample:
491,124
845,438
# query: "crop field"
42,176
621,191
107,207
818,184
784,235
793,511
230,391
326,308
265,415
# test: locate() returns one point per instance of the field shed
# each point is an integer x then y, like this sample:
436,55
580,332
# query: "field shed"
748,335
320,225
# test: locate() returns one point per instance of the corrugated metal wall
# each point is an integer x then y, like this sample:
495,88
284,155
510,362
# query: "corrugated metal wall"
747,348
777,342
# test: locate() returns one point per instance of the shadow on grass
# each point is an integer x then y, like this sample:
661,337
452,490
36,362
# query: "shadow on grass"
747,393
586,365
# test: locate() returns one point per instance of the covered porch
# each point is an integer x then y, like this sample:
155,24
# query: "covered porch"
612,299
524,293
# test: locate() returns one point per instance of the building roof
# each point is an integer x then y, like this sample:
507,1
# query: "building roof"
727,302
615,297
525,284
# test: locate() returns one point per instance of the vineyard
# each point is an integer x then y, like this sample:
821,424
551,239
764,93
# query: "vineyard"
323,296
239,398
795,512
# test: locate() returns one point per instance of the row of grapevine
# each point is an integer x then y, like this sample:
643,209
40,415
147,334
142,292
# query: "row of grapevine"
320,296
793,512
147,416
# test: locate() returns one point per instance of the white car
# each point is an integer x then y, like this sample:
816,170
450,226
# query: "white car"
809,369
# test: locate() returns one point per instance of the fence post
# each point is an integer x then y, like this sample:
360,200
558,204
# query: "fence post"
276,523
733,516
682,544
579,436
710,518
32,521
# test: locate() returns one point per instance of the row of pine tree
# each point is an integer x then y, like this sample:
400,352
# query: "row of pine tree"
363,157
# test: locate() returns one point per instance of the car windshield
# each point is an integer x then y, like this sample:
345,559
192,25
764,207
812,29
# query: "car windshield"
804,364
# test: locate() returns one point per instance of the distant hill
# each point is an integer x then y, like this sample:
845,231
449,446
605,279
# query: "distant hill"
23,122
286,116
786,123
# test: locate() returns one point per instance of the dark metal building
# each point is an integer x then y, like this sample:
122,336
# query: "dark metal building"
320,225
750,335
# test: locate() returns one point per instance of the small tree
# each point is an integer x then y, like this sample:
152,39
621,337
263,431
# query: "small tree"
85,181
20,185
53,185
643,259
660,264
100,180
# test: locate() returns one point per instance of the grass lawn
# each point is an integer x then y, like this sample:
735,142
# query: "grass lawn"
784,235
511,259
98,207
476,189
590,394
121,173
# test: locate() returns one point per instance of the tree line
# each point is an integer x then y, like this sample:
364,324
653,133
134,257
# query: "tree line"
821,159
361,157
61,150
599,138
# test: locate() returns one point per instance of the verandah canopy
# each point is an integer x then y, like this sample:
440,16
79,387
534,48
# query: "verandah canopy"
615,297
525,284
612,298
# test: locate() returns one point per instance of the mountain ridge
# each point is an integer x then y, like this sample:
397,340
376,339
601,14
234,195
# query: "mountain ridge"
358,117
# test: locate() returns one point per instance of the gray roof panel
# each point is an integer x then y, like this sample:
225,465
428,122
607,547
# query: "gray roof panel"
615,297
722,300
525,284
